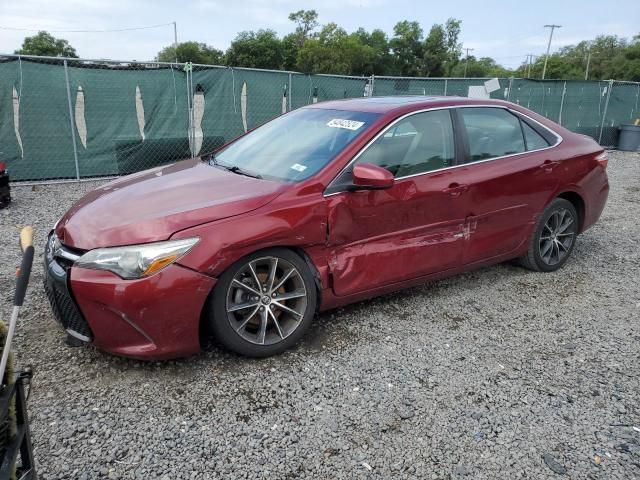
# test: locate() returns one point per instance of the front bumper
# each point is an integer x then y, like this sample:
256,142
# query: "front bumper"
156,318
56,286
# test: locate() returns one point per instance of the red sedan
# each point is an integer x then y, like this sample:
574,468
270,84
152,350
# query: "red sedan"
323,206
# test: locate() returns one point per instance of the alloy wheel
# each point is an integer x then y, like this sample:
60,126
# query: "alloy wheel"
266,300
557,236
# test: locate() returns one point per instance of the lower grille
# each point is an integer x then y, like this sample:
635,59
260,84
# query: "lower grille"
67,313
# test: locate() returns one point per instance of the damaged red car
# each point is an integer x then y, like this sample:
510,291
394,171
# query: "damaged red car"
326,205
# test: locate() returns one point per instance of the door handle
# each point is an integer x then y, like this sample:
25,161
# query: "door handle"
548,165
455,189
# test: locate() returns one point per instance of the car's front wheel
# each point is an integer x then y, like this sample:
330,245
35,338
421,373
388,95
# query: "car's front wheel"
263,304
553,238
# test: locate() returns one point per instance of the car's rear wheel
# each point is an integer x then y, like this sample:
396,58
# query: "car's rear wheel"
263,304
553,238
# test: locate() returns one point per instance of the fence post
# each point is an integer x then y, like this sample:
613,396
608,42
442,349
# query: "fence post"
189,111
290,90
445,87
510,87
564,91
71,118
604,115
637,97
371,84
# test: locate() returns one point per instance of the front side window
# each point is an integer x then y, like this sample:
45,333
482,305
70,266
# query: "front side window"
417,144
492,132
296,145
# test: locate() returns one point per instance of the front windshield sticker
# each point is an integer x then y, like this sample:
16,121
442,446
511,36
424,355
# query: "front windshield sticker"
348,124
298,167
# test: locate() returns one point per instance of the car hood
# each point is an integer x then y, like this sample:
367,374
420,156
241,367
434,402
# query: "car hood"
152,205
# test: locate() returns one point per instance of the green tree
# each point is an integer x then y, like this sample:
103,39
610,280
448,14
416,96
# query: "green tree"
192,52
626,64
453,45
480,67
261,49
407,47
290,49
43,43
306,21
435,52
608,56
334,51
380,61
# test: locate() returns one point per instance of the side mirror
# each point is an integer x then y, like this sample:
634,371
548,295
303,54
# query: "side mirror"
367,176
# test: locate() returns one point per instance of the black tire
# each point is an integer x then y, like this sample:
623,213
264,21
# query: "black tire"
227,326
538,257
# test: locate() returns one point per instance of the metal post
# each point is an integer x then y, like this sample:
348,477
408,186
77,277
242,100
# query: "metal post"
637,97
510,87
192,92
175,40
189,113
373,79
606,107
71,118
290,92
445,87
564,91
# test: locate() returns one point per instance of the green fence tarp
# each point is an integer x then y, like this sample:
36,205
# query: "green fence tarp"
126,118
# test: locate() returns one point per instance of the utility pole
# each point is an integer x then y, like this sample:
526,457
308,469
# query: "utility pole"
466,63
546,58
528,61
586,72
175,40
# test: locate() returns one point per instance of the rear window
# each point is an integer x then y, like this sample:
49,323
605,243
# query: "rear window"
534,140
492,132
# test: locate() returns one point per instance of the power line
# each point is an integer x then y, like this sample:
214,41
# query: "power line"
86,31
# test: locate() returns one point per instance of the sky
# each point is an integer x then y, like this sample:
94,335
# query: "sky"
505,30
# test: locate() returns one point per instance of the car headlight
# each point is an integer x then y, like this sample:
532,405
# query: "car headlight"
136,261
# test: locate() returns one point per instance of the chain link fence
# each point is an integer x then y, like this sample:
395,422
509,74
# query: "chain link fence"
75,118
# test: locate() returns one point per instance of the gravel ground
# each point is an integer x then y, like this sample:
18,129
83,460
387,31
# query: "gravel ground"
498,373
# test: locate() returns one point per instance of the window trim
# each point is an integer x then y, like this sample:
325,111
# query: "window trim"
460,141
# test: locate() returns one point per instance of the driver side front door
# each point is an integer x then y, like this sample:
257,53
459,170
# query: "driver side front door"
414,228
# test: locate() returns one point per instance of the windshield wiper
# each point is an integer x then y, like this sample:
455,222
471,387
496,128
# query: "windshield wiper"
240,171
231,168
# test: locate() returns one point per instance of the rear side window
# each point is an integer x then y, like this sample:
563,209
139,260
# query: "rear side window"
492,132
417,144
533,139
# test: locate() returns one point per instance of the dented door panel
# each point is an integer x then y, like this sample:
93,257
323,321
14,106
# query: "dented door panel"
380,237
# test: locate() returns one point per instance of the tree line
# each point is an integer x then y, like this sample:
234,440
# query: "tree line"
604,58
312,48
315,48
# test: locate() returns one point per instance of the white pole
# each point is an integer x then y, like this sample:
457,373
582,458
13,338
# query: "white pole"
175,40
73,133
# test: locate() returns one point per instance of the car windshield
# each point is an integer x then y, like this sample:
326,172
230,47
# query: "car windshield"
296,145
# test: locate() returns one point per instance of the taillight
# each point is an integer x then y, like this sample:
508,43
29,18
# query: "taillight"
603,159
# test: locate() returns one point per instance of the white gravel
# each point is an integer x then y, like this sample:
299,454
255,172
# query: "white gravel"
499,373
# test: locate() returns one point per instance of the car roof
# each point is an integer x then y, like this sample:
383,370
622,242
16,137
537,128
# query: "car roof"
400,103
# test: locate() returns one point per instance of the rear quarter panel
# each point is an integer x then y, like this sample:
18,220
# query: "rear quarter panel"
580,172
